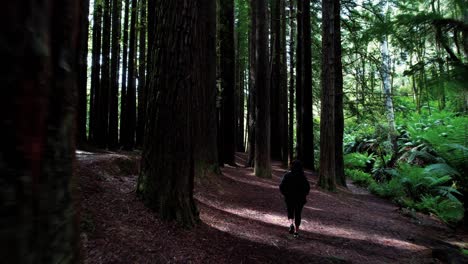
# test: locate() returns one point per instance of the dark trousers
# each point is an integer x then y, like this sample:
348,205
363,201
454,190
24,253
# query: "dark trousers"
294,211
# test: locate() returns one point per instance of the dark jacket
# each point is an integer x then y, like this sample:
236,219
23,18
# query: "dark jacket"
295,187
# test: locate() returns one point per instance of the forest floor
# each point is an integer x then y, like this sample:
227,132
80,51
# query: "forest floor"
243,220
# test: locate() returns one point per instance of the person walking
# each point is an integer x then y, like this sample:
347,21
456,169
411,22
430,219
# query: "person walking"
295,187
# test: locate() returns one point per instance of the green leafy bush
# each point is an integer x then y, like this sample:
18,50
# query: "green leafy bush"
359,177
358,160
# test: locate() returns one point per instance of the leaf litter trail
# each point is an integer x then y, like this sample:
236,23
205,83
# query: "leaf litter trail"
243,221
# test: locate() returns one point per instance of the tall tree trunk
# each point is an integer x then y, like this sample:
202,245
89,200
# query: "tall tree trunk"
37,113
123,93
339,117
130,121
227,74
262,129
292,36
284,86
206,142
307,118
103,94
113,139
275,107
82,74
299,77
96,70
252,86
327,175
141,75
167,170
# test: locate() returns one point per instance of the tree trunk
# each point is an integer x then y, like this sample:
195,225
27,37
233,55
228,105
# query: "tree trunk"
141,76
327,179
227,74
275,107
130,117
206,142
299,77
167,170
284,86
37,109
262,129
123,93
113,139
307,132
82,74
103,93
96,70
252,86
292,44
339,117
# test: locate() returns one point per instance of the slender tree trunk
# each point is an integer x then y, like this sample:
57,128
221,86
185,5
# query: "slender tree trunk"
275,107
96,69
252,85
82,74
284,86
37,109
204,104
299,77
292,44
167,170
307,117
130,97
123,93
141,75
103,93
262,129
227,73
113,139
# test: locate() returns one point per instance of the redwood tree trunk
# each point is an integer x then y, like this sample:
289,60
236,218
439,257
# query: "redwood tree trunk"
141,75
204,103
167,170
307,145
95,70
123,93
130,97
82,74
113,139
292,44
275,107
299,77
227,73
37,112
251,99
262,128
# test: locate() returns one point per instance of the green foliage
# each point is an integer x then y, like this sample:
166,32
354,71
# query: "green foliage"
359,177
358,160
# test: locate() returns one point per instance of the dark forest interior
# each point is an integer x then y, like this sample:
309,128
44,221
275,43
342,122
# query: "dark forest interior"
158,131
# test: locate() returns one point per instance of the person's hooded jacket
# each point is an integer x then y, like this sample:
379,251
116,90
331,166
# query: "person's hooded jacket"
294,185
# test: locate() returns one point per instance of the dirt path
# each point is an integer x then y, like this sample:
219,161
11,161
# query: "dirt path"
243,221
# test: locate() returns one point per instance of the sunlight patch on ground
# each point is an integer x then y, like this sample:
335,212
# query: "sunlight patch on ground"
256,183
318,228
81,152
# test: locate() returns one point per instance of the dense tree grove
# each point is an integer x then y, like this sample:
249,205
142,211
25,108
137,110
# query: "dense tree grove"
370,92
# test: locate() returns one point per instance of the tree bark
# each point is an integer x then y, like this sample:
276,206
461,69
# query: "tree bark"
299,77
284,86
252,90
37,113
204,104
227,74
262,129
307,132
123,93
113,139
82,75
167,170
276,82
292,44
130,97
142,75
96,70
